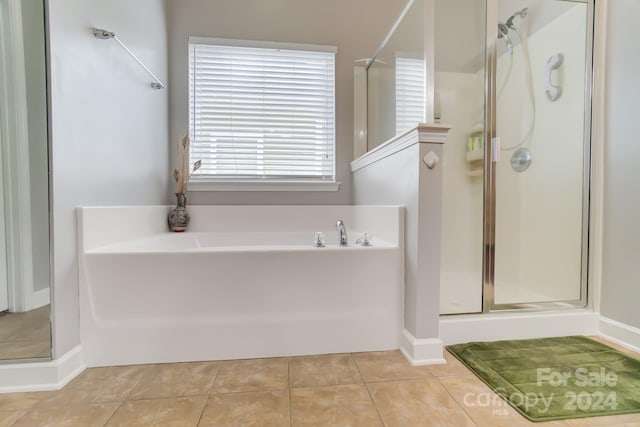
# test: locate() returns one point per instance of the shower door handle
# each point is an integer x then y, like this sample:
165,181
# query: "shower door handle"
495,149
552,92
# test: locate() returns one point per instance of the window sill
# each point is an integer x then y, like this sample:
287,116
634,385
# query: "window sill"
206,185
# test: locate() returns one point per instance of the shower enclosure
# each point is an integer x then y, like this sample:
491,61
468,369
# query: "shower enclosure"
513,78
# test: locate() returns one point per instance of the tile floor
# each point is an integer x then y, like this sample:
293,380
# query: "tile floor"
25,335
359,389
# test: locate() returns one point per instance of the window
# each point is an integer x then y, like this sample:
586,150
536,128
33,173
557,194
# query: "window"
262,111
410,93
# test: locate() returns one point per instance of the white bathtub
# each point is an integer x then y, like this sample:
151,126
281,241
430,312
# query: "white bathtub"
244,282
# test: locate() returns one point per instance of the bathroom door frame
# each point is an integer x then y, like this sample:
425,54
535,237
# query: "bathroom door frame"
489,231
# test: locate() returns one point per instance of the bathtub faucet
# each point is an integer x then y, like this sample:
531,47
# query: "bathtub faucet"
342,231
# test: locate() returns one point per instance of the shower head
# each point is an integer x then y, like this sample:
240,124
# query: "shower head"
503,33
520,14
503,30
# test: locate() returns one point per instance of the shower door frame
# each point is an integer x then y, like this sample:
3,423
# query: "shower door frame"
489,231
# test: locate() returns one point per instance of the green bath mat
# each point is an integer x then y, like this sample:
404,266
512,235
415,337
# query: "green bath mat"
556,378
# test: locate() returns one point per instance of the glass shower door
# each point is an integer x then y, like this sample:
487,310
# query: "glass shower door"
536,187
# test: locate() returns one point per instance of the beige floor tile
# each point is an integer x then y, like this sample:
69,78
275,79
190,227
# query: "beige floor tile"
91,376
177,379
417,403
25,326
14,401
484,406
25,335
183,411
627,420
386,366
258,408
252,375
9,417
25,349
95,385
68,416
453,367
343,405
633,424
314,371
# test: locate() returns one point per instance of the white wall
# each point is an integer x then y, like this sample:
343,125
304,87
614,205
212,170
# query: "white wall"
621,252
35,70
539,13
109,128
355,27
459,32
402,178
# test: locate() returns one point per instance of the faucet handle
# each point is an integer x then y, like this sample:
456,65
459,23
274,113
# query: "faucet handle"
365,240
318,240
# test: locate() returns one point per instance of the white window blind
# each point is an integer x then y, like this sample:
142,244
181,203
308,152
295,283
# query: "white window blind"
262,111
410,93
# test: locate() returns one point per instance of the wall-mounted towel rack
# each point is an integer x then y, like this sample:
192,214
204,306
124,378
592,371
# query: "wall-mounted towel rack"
105,35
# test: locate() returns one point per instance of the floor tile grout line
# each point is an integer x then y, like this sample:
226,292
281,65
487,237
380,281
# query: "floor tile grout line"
103,402
213,382
65,405
473,420
366,387
114,412
308,387
204,407
21,416
213,386
338,382
254,390
375,406
171,397
143,374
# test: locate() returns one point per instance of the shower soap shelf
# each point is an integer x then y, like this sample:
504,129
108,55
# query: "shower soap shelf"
475,150
475,156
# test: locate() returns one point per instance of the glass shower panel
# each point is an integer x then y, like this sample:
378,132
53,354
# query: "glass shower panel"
540,172
396,79
459,102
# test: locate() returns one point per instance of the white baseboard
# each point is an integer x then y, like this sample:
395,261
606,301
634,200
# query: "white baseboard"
421,351
40,376
40,298
503,326
620,333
